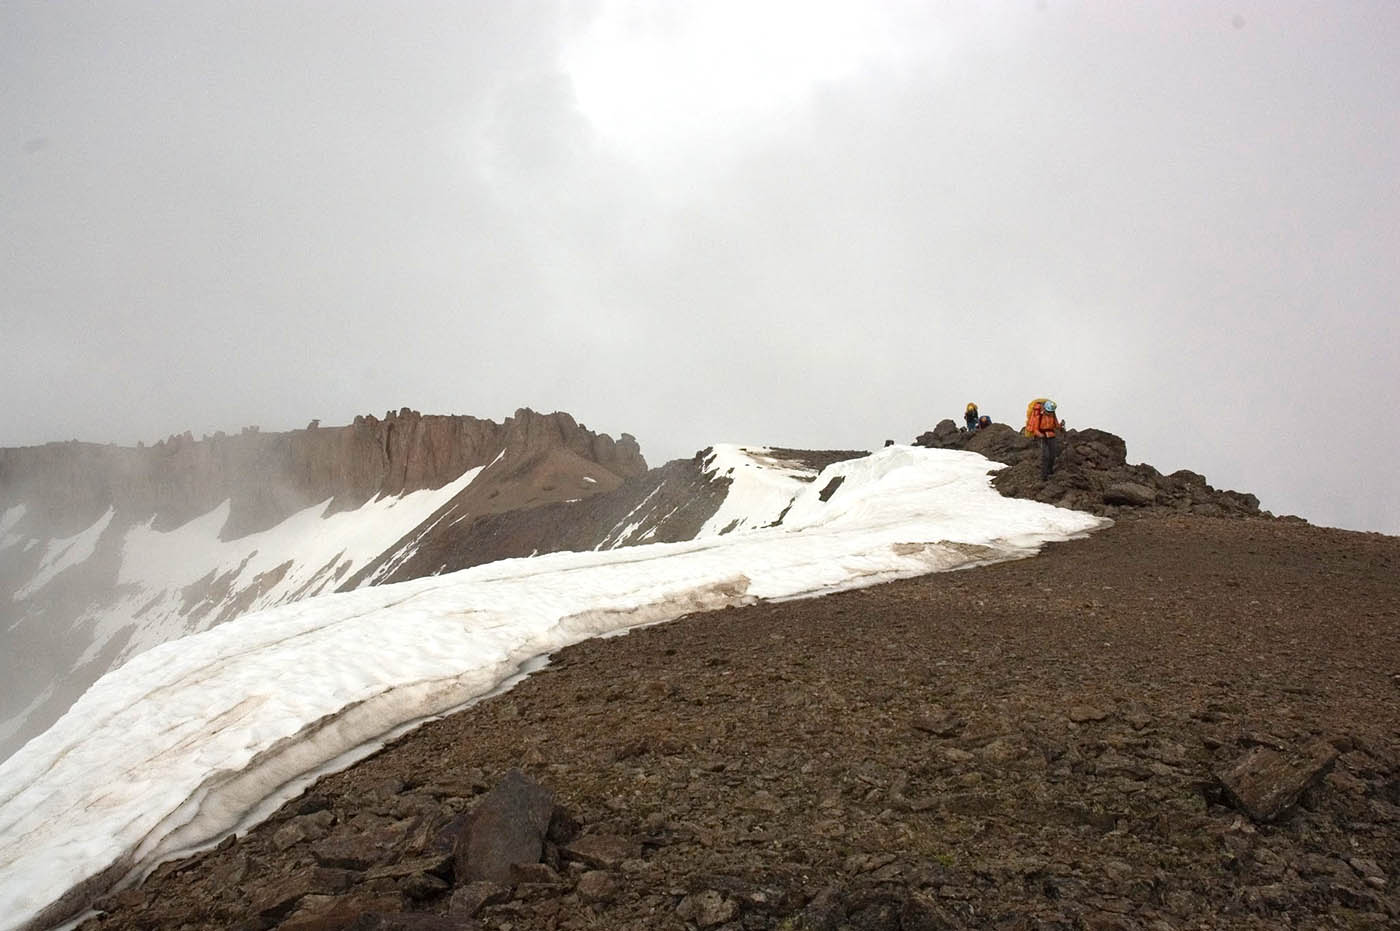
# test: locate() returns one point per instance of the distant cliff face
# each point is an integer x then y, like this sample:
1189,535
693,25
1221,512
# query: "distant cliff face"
267,476
106,551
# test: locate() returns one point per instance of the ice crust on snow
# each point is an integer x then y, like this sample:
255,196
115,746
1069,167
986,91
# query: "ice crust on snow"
175,748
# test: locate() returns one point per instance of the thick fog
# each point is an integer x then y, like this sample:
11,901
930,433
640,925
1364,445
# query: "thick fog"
798,223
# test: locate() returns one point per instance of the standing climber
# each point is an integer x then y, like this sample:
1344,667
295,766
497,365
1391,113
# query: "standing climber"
1042,422
970,416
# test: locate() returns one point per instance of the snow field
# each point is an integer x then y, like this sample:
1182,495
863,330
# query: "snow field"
173,749
157,566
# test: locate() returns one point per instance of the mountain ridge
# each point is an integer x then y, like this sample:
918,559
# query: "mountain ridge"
267,476
506,511
207,717
544,483
107,550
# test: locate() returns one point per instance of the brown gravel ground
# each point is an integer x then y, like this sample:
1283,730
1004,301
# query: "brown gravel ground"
1025,745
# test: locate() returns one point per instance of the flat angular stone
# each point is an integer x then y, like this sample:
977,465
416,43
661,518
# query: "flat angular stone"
440,865
1265,783
537,873
939,722
360,844
470,899
422,886
334,912
307,827
597,886
601,851
1129,493
278,896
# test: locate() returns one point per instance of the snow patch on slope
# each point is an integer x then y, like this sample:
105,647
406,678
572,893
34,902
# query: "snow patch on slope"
63,554
305,555
762,486
203,730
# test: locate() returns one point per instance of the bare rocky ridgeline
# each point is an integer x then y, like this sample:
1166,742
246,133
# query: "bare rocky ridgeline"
1092,474
268,476
664,505
1183,721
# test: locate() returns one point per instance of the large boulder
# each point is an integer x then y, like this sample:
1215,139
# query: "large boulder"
1265,783
508,826
943,436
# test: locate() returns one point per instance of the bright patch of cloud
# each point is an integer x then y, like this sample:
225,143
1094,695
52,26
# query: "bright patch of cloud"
656,79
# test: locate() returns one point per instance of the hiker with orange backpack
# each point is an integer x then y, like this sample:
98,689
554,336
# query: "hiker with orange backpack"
1042,422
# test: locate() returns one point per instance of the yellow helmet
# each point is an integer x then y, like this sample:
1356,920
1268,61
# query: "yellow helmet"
971,405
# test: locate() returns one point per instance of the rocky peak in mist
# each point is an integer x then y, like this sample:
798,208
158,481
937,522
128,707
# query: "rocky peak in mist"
107,551
267,476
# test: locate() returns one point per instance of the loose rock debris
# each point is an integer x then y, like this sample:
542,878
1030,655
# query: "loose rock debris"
900,757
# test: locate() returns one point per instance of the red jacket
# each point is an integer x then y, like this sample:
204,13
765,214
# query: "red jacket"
1045,424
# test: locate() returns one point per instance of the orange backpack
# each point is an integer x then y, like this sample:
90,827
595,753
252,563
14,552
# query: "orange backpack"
1033,411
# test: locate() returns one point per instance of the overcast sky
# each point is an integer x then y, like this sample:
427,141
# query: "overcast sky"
795,222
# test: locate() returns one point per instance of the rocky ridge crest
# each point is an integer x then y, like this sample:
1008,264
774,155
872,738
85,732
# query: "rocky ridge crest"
267,476
1092,473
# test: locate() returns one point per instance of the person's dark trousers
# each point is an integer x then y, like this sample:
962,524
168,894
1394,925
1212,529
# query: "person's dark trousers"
1047,456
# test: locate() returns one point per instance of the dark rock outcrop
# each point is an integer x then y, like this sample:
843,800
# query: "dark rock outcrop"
1092,473
665,505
